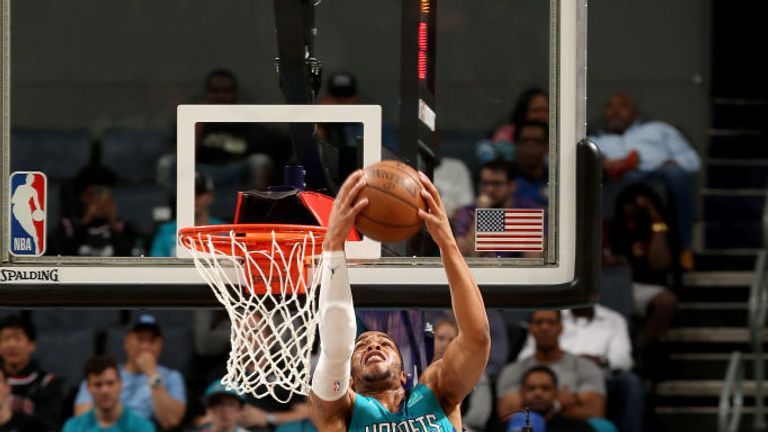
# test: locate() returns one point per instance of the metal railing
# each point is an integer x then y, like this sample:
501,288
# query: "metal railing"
731,396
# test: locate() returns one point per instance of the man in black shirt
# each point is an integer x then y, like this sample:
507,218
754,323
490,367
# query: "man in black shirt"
9,420
33,391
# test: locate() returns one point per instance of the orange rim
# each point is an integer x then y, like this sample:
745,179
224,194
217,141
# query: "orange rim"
253,236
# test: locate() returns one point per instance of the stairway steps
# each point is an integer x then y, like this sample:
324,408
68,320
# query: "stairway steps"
737,144
710,340
708,366
713,260
711,314
734,234
737,173
739,114
696,418
712,294
712,279
719,207
712,335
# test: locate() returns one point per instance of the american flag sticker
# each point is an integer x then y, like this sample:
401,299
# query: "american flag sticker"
509,230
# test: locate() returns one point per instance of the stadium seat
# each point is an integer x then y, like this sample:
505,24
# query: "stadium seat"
64,353
27,146
133,153
50,320
136,204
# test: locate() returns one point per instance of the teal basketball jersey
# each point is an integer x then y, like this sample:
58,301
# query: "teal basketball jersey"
419,412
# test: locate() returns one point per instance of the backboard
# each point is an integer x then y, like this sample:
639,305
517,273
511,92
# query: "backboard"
432,84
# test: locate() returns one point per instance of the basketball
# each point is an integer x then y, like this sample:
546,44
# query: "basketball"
38,215
394,197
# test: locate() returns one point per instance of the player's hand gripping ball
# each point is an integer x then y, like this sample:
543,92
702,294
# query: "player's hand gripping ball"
38,215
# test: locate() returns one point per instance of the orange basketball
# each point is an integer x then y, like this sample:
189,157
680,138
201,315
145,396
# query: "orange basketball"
394,197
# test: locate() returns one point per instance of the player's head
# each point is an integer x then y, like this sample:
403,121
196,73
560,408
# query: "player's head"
143,337
104,384
531,143
532,105
30,179
224,405
17,341
446,331
545,327
620,112
220,87
497,181
376,363
538,388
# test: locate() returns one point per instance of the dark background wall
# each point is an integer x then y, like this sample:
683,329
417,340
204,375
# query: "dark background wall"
96,64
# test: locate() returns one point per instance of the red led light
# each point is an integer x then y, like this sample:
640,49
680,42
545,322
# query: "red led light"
422,66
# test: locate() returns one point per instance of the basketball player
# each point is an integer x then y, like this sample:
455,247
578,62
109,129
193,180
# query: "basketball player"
22,211
358,384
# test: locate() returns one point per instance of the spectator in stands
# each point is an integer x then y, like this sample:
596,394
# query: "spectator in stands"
496,191
233,154
531,141
531,106
225,409
601,335
149,389
11,421
164,243
454,182
581,393
34,391
539,391
636,150
341,88
108,413
267,415
96,229
475,409
641,237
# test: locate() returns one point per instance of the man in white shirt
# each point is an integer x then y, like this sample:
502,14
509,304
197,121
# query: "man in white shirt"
636,150
601,335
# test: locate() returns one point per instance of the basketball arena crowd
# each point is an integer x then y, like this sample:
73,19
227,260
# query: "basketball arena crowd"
592,368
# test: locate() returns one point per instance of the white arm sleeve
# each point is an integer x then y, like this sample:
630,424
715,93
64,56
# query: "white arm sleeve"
337,329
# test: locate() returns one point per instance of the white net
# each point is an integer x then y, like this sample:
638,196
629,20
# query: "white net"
271,303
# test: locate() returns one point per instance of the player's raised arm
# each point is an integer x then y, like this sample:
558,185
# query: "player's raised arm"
331,400
465,358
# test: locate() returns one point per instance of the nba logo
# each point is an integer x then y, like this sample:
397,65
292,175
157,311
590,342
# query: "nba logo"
29,190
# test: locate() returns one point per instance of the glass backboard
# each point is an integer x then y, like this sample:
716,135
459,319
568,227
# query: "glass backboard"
159,122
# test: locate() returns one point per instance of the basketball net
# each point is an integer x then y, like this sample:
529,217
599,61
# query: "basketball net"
269,289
